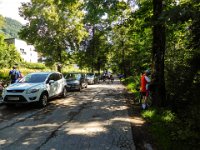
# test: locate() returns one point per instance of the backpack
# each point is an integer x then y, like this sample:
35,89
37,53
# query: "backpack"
13,75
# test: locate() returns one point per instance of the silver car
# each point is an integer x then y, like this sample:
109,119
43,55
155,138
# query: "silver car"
92,78
76,81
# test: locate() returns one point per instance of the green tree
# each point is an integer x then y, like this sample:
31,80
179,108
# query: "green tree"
55,27
11,28
8,54
101,21
1,21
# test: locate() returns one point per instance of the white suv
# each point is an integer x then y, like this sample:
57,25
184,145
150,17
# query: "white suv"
35,87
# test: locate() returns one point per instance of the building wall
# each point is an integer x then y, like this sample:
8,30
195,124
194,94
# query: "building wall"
27,52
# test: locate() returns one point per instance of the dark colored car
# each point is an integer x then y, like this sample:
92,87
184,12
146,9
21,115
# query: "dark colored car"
76,81
92,78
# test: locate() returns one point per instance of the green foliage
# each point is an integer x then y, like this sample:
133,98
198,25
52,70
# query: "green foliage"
182,73
132,83
161,121
122,41
155,115
55,27
4,72
170,131
2,21
95,54
10,28
8,54
34,65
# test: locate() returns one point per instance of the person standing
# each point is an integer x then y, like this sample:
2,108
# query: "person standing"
14,74
145,80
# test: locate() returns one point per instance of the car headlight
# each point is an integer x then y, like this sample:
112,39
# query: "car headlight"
33,90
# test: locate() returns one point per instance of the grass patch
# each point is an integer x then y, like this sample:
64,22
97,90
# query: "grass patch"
170,131
160,121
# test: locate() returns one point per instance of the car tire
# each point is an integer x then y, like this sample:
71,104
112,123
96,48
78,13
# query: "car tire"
43,100
64,92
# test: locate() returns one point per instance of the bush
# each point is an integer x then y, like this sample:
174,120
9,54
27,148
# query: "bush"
40,66
4,73
161,122
133,84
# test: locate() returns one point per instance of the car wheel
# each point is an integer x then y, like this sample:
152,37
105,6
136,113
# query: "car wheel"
43,100
86,85
64,93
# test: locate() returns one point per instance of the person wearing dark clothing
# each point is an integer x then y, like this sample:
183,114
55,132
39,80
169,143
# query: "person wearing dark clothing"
14,74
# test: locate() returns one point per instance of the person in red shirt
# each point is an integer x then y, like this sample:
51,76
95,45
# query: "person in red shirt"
144,80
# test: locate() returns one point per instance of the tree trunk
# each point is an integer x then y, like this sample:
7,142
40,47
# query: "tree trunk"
158,52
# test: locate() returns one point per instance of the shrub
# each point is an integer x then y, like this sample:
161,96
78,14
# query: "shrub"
4,73
40,66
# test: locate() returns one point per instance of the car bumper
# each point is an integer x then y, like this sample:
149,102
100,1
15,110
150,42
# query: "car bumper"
73,87
13,98
90,81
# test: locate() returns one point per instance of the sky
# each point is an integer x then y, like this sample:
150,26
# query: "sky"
9,8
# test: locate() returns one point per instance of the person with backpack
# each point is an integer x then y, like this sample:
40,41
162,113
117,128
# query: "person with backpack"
14,74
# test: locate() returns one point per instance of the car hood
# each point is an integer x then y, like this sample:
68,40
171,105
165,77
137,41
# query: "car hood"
22,86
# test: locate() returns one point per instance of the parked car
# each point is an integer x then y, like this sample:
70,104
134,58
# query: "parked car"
35,87
92,78
76,81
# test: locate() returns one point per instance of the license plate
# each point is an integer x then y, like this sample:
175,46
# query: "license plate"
13,98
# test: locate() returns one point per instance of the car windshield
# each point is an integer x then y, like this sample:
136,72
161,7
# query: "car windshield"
73,76
90,75
34,78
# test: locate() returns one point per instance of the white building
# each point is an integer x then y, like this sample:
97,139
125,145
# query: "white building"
27,52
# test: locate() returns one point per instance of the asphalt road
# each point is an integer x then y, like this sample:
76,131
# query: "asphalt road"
94,119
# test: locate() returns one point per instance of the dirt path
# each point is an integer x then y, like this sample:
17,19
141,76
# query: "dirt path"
142,138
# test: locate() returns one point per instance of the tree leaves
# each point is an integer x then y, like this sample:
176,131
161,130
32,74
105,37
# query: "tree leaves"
52,28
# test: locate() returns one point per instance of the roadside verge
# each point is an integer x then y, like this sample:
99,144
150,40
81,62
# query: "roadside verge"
143,139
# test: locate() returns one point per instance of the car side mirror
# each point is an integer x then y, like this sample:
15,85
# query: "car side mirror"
51,81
